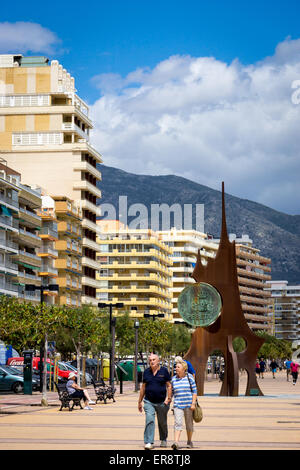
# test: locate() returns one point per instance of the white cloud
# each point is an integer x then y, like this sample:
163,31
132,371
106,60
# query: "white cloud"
23,37
208,121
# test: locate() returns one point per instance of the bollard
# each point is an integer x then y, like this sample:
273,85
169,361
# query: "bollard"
121,382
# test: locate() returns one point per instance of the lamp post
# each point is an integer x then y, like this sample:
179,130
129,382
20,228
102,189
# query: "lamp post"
159,315
136,326
44,348
112,330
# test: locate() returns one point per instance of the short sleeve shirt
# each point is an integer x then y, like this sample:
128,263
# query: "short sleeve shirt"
69,387
191,369
262,366
183,389
155,390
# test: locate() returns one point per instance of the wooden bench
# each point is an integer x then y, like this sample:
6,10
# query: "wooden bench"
65,398
104,392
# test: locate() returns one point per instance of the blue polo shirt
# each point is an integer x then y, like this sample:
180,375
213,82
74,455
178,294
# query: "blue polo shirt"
155,390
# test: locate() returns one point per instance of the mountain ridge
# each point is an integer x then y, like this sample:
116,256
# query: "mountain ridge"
275,233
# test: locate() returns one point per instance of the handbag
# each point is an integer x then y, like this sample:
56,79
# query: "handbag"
197,412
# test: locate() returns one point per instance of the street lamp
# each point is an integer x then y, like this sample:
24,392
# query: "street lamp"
148,315
112,327
43,349
136,326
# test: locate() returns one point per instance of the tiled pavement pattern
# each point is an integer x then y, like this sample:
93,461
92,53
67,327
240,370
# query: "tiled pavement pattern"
230,423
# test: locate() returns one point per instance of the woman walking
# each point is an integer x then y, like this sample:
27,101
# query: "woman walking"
185,395
294,371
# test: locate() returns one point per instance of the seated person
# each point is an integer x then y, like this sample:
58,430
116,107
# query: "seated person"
75,391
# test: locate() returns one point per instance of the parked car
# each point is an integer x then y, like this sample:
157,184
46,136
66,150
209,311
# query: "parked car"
70,368
19,361
36,376
12,380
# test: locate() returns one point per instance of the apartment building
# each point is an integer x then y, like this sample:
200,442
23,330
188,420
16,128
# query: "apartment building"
69,248
44,133
9,230
47,251
285,310
19,236
184,245
135,270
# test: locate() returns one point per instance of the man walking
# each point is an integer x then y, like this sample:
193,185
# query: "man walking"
156,391
288,368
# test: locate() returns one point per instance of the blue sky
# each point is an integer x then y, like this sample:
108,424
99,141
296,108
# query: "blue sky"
201,89
118,36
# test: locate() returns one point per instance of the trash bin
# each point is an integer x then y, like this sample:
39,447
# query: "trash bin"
91,367
105,369
128,366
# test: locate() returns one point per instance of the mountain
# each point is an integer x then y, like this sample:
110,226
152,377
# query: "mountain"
275,233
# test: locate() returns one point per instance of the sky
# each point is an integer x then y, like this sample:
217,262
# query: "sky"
207,90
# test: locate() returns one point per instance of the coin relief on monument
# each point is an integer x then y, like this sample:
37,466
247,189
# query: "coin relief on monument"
200,304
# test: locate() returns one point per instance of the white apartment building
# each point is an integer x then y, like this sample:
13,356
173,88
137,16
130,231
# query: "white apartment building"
44,134
285,310
185,245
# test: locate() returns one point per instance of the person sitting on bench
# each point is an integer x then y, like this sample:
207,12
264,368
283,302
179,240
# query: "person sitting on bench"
75,391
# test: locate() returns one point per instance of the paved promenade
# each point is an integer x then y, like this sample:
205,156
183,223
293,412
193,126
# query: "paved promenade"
230,423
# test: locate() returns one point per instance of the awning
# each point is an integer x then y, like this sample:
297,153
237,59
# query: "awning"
5,211
28,265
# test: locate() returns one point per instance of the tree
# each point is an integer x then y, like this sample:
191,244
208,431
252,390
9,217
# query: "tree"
179,340
154,336
125,335
274,347
85,328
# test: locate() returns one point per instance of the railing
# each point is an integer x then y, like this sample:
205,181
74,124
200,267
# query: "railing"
29,234
8,286
9,265
48,269
32,214
71,126
9,244
8,200
24,100
48,250
49,231
9,221
30,255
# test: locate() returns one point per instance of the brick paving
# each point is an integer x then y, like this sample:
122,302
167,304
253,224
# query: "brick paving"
271,422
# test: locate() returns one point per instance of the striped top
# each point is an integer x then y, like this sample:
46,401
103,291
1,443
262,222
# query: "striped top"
182,391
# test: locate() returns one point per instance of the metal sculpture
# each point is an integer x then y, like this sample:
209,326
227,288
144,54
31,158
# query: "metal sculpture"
221,273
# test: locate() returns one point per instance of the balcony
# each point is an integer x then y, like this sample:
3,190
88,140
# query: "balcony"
30,258
9,222
30,238
8,266
48,271
85,185
9,246
9,201
86,242
90,263
8,288
88,281
47,251
30,217
47,232
72,127
85,166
